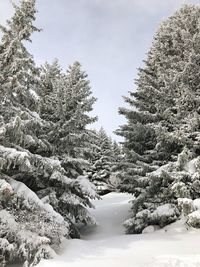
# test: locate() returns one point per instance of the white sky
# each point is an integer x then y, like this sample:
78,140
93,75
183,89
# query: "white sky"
109,37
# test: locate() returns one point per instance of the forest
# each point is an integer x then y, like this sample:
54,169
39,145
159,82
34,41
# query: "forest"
54,165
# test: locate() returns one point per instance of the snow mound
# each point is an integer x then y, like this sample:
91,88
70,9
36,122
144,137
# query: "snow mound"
175,261
191,166
150,229
164,210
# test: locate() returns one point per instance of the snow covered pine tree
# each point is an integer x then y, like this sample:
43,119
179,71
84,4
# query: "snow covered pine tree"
162,135
41,202
105,156
71,101
65,103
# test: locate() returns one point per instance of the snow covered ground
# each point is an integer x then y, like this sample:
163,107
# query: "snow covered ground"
106,245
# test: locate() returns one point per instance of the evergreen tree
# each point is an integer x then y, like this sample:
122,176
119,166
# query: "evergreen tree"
117,151
51,76
118,158
40,203
19,75
164,116
66,103
76,102
103,161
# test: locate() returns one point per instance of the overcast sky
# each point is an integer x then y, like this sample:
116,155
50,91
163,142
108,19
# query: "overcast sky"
109,37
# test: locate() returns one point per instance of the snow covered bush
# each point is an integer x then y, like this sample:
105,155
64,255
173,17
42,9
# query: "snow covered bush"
186,205
159,216
170,193
193,219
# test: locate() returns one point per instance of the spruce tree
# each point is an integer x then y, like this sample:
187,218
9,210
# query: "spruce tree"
116,151
66,103
40,203
19,75
163,120
76,103
50,76
103,162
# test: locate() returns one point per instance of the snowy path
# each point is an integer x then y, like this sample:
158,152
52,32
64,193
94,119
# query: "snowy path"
106,245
